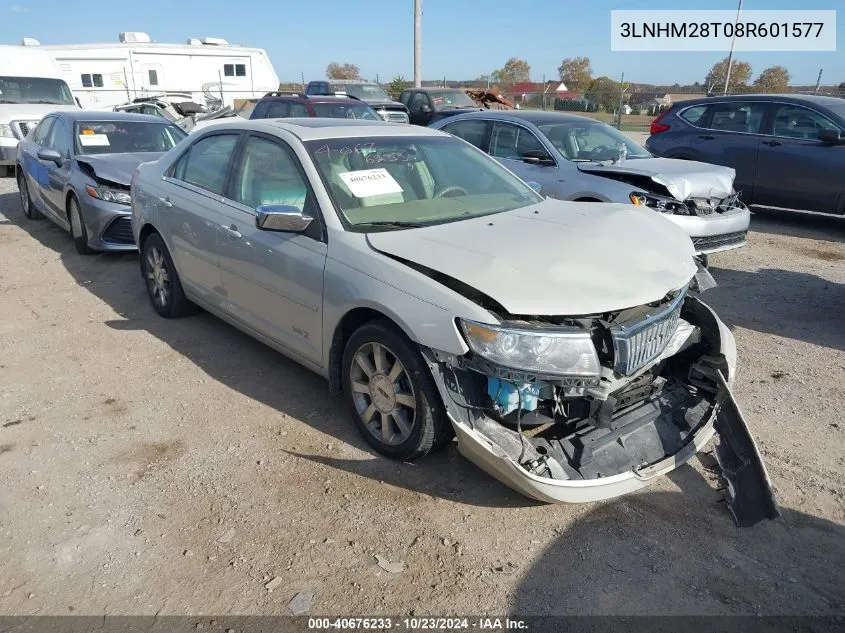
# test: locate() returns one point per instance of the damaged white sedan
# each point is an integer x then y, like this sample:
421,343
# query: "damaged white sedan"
565,348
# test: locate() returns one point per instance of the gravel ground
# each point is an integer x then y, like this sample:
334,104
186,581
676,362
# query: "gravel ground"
175,467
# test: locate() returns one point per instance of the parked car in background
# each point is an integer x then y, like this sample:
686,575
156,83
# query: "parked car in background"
578,158
75,169
178,109
285,105
367,91
440,293
788,150
31,85
427,105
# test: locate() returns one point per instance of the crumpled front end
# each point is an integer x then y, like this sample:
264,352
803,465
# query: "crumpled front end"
658,398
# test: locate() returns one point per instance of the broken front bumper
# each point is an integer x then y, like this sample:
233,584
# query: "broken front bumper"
715,232
487,443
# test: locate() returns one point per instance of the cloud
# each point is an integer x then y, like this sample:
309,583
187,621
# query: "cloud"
18,8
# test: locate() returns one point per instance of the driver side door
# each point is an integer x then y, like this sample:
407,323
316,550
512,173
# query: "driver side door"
420,108
58,175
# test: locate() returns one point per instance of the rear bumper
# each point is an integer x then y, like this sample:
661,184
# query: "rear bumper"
716,232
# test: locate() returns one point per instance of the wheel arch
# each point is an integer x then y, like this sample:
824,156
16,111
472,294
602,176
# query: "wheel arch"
146,230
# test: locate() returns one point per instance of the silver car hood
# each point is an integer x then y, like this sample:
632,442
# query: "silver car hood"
555,258
117,168
683,178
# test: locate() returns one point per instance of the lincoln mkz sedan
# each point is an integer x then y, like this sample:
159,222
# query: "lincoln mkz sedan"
563,343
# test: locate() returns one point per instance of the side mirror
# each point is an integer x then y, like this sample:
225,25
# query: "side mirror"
285,218
537,157
51,155
535,186
78,102
425,108
830,137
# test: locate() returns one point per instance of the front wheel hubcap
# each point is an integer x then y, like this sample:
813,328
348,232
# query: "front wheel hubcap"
158,279
383,393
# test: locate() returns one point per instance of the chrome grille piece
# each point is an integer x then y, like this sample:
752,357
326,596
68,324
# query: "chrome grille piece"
637,343
394,116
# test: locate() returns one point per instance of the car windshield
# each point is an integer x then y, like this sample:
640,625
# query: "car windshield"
35,90
588,141
119,137
451,98
368,92
384,183
345,111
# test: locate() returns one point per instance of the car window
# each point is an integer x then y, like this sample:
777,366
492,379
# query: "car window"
471,131
512,141
792,121
269,173
738,116
419,100
345,111
206,164
39,137
694,115
121,136
403,98
58,138
584,140
285,109
260,111
151,110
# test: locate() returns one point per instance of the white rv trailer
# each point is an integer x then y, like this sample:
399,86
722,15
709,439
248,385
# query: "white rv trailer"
208,71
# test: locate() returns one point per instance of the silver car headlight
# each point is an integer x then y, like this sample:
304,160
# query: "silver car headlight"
550,352
109,195
6,130
658,203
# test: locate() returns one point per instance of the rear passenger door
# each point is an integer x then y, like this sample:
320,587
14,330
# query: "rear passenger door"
730,135
795,170
190,211
273,281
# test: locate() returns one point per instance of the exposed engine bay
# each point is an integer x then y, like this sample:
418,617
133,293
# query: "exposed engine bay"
654,404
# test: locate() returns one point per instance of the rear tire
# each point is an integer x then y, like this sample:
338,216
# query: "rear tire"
77,227
29,209
162,281
391,394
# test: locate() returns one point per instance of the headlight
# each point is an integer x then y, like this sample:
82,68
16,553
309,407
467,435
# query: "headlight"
6,130
658,203
109,195
551,352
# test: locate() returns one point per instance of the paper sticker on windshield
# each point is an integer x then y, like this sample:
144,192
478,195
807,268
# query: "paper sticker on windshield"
93,140
370,182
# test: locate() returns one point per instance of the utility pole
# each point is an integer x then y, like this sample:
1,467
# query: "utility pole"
819,80
731,54
417,43
621,101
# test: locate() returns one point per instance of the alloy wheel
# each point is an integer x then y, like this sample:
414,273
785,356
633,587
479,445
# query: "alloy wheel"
158,278
383,393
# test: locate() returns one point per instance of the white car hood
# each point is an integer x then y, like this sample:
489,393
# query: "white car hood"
555,258
683,178
29,111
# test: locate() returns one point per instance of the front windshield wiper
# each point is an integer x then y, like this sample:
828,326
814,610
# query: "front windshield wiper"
394,223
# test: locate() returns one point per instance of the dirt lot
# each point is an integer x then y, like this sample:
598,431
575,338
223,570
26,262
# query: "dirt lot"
151,466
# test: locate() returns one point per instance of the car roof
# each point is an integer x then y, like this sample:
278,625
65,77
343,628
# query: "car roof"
104,115
310,129
817,100
432,89
537,117
302,98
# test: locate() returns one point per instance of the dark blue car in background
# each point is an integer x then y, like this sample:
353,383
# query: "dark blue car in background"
788,150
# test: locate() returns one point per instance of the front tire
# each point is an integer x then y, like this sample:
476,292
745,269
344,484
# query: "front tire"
77,227
163,285
391,394
29,209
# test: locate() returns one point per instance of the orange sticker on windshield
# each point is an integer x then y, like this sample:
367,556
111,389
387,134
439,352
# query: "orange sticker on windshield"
87,131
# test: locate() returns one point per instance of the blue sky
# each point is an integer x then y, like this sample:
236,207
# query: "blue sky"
462,39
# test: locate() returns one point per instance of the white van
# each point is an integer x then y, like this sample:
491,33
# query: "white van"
31,86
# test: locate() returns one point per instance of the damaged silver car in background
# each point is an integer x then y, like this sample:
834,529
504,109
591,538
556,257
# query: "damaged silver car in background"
577,158
563,344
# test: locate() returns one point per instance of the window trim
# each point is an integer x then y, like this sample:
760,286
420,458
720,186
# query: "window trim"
229,200
764,124
169,177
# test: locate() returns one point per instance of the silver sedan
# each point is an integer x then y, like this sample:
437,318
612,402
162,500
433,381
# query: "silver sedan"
577,158
75,168
444,296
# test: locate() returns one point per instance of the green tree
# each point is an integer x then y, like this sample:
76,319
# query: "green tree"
514,71
342,71
395,87
740,74
576,73
604,92
774,79
841,88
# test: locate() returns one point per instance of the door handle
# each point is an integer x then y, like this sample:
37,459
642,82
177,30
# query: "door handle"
231,231
706,137
166,202
772,143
